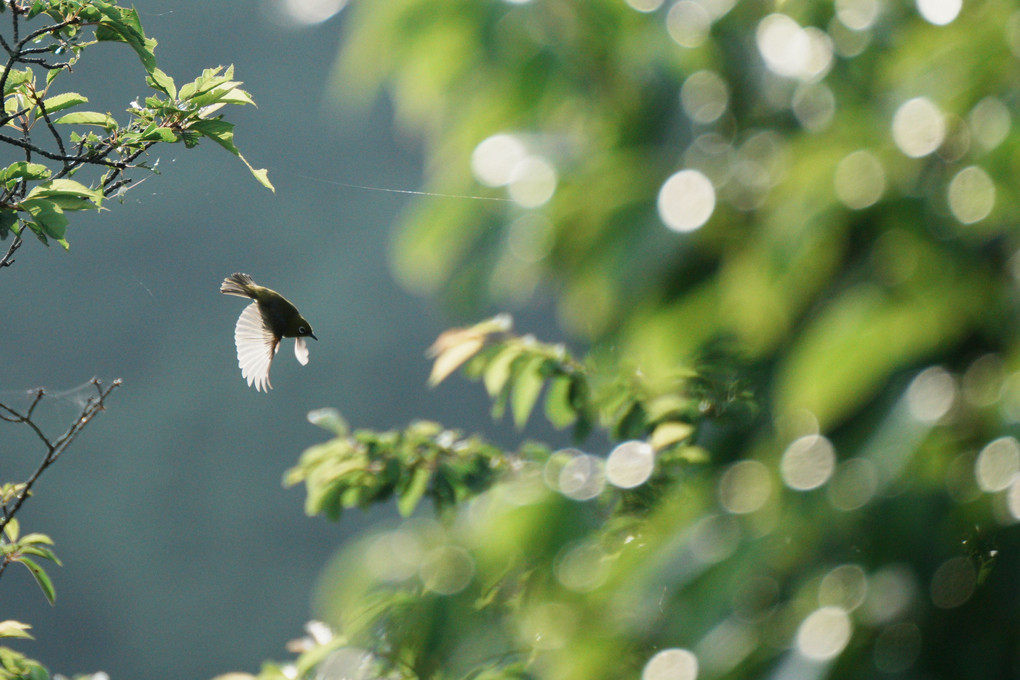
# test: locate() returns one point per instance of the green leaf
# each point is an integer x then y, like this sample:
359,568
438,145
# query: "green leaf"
558,408
63,101
329,419
209,78
35,538
45,584
156,133
498,371
13,529
39,551
67,195
416,488
36,9
260,174
122,25
103,120
222,133
527,385
159,80
14,629
217,94
16,78
24,170
48,216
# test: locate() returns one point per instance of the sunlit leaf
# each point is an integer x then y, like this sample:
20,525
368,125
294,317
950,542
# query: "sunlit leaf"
416,488
63,101
161,81
103,120
329,419
14,629
24,170
669,433
47,215
527,385
498,371
121,24
453,355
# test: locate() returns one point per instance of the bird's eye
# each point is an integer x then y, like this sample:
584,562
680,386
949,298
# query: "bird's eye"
302,330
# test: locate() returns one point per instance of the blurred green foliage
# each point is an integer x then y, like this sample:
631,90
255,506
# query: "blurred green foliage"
852,265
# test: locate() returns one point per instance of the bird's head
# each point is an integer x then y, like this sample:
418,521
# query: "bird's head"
299,328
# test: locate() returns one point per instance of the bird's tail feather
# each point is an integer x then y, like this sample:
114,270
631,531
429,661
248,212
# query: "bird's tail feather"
237,284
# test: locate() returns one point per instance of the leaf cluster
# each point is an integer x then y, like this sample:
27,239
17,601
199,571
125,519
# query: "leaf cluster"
60,138
624,401
504,521
364,467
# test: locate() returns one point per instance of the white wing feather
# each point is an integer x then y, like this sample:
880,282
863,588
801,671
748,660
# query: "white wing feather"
301,351
256,346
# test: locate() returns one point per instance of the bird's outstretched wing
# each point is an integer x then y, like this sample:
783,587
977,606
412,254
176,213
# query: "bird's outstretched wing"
256,345
301,350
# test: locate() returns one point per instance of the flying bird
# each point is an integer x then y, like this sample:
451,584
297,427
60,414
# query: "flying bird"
261,327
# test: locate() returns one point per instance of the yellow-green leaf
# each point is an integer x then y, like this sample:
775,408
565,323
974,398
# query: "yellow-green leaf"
527,385
14,629
670,433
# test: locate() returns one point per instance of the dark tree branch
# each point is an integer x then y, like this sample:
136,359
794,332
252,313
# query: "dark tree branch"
53,130
8,259
54,448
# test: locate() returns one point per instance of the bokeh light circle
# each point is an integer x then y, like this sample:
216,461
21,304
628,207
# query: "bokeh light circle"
931,394
918,127
939,12
582,478
745,487
953,583
990,122
686,200
808,463
447,570
671,664
891,591
859,180
688,23
704,96
824,633
645,6
971,195
998,464
858,15
494,159
311,11
582,566
532,181
845,587
630,464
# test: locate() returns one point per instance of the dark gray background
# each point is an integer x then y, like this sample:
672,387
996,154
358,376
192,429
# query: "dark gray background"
184,556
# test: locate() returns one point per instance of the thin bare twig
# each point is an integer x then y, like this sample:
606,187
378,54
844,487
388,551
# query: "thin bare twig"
54,447
8,259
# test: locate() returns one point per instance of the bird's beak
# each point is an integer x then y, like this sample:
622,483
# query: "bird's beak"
312,336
